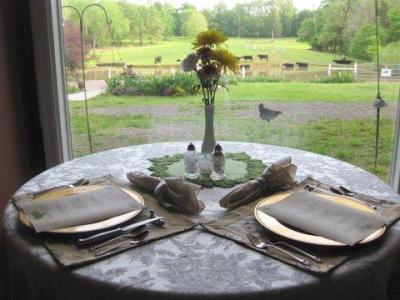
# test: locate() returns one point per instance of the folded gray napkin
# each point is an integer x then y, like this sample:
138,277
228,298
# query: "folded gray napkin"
279,176
171,192
78,209
322,217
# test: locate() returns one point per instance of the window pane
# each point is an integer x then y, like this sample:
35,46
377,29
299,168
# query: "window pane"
307,76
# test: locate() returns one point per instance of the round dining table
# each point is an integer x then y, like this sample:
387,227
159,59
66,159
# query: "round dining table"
195,264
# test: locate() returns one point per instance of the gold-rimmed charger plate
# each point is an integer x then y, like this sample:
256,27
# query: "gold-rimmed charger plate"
272,224
62,192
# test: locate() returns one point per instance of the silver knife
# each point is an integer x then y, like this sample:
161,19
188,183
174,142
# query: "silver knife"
116,232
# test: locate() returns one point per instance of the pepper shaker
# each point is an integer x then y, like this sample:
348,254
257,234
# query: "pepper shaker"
218,160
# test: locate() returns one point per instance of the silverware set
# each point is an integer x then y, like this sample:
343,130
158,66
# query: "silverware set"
266,244
119,238
119,243
341,190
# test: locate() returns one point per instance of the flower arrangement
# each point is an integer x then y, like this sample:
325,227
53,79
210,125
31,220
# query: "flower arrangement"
209,61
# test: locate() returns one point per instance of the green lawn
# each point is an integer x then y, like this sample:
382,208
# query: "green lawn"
118,121
279,92
279,51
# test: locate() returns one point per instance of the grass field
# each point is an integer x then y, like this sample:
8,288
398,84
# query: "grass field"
279,51
278,92
331,119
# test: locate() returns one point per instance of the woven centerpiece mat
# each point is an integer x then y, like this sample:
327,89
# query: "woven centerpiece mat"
235,225
68,254
239,168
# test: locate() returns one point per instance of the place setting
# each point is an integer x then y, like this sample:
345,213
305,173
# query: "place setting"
307,224
80,223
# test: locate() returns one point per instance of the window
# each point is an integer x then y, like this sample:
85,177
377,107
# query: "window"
316,65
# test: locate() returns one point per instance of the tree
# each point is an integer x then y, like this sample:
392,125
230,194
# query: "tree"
194,24
96,30
363,44
286,12
298,19
146,23
335,14
72,47
306,31
390,54
181,15
166,11
393,32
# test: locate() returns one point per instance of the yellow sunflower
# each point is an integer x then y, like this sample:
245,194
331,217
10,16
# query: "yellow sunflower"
209,38
225,59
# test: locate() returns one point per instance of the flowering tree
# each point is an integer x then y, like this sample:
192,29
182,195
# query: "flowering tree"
72,48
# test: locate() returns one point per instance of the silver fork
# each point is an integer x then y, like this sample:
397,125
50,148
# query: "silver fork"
263,245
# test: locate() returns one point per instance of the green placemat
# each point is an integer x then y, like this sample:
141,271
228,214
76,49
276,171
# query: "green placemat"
239,168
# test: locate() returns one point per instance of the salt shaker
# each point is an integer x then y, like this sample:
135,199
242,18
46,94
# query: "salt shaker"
191,163
218,160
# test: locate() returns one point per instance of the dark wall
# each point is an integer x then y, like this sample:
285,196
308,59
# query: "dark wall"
21,149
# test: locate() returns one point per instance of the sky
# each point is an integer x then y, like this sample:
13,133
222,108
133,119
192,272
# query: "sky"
300,4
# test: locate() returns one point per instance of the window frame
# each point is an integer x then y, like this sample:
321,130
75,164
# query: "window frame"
48,49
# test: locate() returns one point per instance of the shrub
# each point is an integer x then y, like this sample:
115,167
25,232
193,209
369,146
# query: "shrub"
390,54
339,78
179,84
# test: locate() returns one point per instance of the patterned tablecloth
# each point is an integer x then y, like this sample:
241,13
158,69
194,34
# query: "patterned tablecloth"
196,264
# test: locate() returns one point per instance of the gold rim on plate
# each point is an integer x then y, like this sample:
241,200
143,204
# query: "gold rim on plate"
62,192
278,228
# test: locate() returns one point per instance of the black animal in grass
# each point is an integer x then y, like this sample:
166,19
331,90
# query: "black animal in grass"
302,65
263,57
267,114
288,66
158,60
247,57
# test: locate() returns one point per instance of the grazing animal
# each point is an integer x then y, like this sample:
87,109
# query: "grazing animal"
302,65
263,57
267,114
288,66
238,58
158,60
248,57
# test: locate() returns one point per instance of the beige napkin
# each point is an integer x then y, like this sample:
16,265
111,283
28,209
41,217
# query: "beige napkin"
171,192
279,176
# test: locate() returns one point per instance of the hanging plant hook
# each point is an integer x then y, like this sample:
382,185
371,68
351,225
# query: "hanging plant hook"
108,21
379,101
